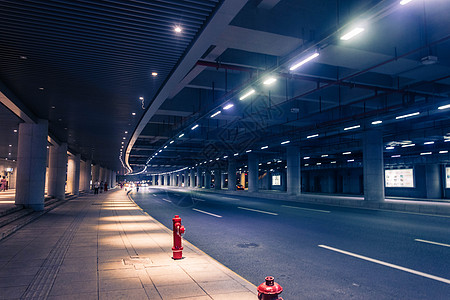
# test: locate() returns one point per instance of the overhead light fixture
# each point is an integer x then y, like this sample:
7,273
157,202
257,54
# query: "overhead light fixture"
429,143
350,160
426,153
133,114
123,138
390,148
250,92
352,33
376,122
394,156
312,136
269,80
248,151
215,114
154,74
346,153
141,98
171,142
404,2
217,158
352,127
304,61
264,147
165,146
285,142
333,162
236,154
443,151
160,151
408,145
228,106
444,106
306,165
324,155
318,164
181,135
194,127
306,157
126,132
177,29
407,116
226,156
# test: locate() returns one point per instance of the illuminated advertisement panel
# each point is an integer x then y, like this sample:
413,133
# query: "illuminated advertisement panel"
276,179
447,177
399,178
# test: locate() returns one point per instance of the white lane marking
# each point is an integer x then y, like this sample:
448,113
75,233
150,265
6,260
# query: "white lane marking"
311,209
260,211
430,242
167,200
229,198
154,195
208,213
388,264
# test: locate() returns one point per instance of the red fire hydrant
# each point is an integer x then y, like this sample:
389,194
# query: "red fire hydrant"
269,290
178,230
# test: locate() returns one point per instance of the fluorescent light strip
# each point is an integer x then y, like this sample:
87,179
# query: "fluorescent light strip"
408,115
264,147
248,151
428,143
390,148
247,94
228,106
408,145
398,155
312,136
333,162
352,127
426,153
285,142
443,151
350,160
304,61
376,122
171,142
236,154
181,135
215,114
324,155
306,157
165,147
352,33
194,127
269,80
346,153
444,106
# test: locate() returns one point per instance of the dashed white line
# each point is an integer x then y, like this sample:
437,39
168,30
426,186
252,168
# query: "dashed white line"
430,242
302,208
444,280
167,200
208,213
260,211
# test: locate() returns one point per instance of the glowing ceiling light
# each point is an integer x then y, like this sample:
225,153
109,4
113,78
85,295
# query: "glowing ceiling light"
394,156
444,106
160,151
350,160
352,127
248,151
443,151
250,92
215,114
228,106
194,127
304,61
376,122
346,153
408,145
177,29
306,157
324,155
285,142
264,147
154,74
171,142
181,135
390,148
236,154
312,136
333,162
404,2
426,153
133,114
225,156
165,147
407,116
429,143
352,33
269,80
141,98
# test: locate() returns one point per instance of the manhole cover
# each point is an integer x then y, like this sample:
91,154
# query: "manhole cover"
248,245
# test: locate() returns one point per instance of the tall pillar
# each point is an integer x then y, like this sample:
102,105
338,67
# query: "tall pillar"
231,175
73,174
57,169
153,179
167,180
373,165
293,171
87,175
217,179
207,178
31,165
199,177
433,184
252,172
186,175
113,179
192,178
160,179
95,173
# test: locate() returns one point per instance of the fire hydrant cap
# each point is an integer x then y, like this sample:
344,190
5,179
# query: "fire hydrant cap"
270,287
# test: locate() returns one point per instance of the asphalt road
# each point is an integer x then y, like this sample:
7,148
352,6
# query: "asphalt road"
314,251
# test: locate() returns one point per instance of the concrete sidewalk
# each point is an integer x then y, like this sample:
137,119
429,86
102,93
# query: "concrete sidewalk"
105,247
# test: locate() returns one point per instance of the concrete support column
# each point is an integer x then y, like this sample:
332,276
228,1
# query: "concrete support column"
167,180
153,180
293,171
373,165
57,169
217,179
86,176
73,174
95,173
207,179
192,178
199,177
31,165
231,175
433,183
252,172
186,175
159,179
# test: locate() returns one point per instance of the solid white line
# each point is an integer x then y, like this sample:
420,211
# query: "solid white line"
167,200
388,264
296,207
260,211
430,242
208,213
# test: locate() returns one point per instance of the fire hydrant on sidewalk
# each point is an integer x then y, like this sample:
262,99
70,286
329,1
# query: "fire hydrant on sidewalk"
178,230
269,290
